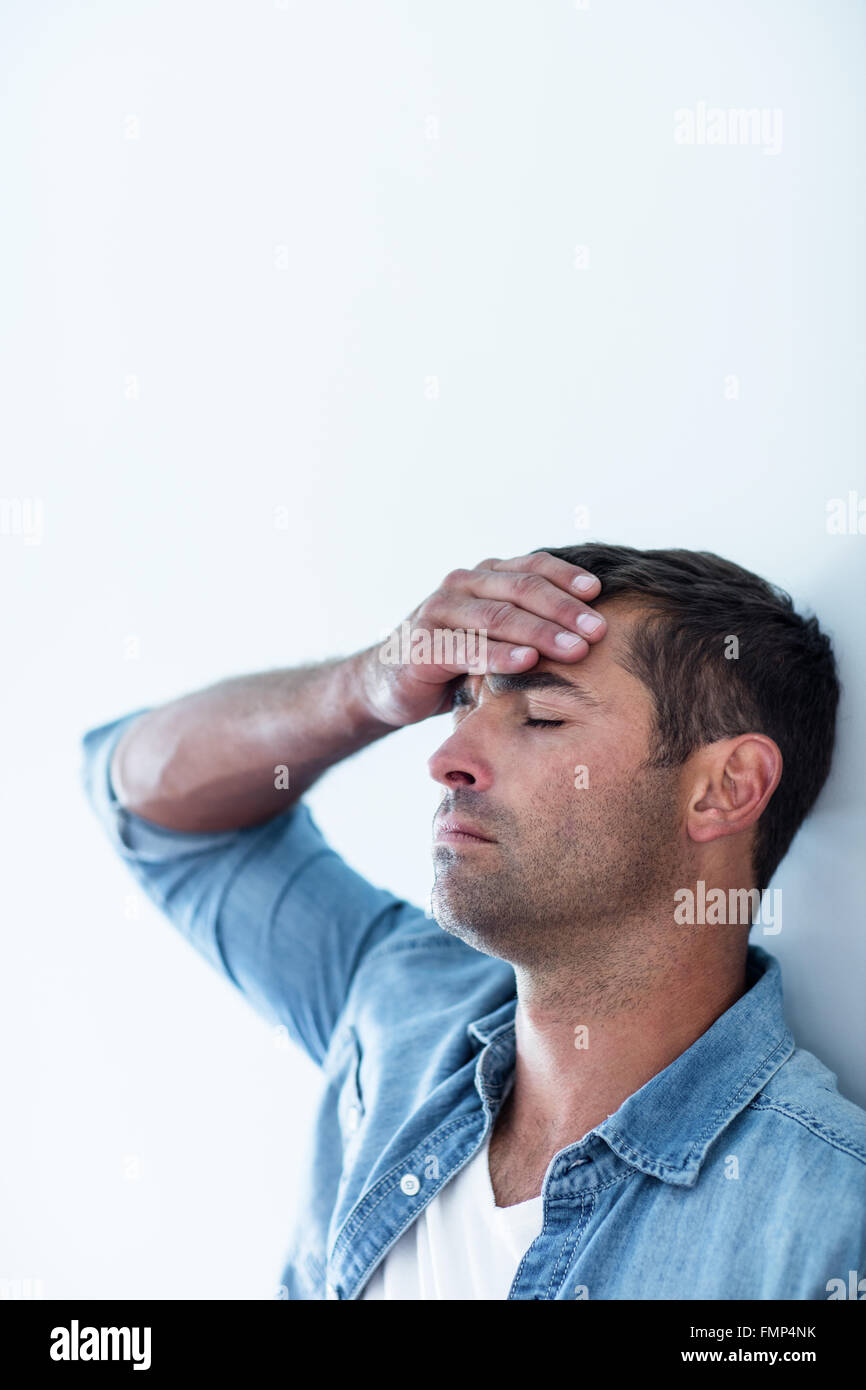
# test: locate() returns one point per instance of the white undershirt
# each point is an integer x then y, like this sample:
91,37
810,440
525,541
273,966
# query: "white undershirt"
462,1245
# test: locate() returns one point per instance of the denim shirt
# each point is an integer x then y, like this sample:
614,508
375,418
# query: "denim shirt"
738,1171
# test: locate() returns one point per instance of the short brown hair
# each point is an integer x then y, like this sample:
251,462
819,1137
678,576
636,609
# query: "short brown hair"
783,682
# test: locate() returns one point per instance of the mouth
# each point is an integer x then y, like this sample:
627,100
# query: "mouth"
457,832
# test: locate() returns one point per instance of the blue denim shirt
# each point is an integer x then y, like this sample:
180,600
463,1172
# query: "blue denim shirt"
738,1171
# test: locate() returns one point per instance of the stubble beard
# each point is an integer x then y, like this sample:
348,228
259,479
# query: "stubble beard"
568,891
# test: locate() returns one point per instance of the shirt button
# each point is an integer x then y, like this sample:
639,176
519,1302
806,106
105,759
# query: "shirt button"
409,1184
331,1292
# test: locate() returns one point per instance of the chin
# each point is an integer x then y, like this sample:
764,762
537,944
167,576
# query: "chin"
471,924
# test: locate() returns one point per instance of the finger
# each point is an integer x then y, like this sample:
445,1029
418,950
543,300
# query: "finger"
535,590
480,657
536,594
503,621
501,658
573,578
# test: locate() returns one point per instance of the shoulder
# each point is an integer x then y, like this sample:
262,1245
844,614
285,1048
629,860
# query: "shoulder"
802,1102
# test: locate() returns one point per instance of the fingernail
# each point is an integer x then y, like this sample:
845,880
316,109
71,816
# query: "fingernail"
588,622
518,653
583,583
565,639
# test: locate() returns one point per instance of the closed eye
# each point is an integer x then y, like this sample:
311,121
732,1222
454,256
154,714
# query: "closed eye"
543,723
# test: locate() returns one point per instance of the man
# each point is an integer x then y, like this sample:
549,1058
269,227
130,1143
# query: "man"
571,1083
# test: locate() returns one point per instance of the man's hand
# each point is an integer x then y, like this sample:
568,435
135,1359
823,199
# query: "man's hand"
208,761
529,607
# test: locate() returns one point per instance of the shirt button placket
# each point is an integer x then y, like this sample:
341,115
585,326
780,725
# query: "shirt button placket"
536,1270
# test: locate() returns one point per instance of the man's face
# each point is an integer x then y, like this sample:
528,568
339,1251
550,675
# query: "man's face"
584,835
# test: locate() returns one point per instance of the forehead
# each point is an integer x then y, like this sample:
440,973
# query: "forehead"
600,678
603,667
603,670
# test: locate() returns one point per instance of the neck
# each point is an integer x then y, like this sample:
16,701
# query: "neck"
593,1032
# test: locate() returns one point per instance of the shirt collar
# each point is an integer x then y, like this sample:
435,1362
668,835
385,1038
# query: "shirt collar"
666,1127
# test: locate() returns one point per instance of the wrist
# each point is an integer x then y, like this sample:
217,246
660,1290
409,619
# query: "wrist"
364,694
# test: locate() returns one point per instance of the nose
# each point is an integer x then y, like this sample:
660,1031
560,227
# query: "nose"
459,761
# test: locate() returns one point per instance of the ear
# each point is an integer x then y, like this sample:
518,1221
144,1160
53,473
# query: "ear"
734,780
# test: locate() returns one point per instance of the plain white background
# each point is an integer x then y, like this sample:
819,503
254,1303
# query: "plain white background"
295,322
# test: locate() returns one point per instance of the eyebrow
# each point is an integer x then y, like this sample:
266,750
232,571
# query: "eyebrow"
526,682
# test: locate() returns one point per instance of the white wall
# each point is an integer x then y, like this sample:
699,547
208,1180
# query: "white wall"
239,239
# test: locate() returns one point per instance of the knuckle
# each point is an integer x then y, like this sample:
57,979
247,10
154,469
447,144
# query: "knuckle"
428,614
542,632
453,579
529,585
495,612
538,559
489,564
567,612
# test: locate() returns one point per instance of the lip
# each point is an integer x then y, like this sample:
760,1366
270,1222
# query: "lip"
453,832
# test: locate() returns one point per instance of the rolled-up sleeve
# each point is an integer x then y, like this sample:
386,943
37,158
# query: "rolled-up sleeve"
273,906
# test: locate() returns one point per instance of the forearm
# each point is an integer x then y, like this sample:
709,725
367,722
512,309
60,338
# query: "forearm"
210,760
